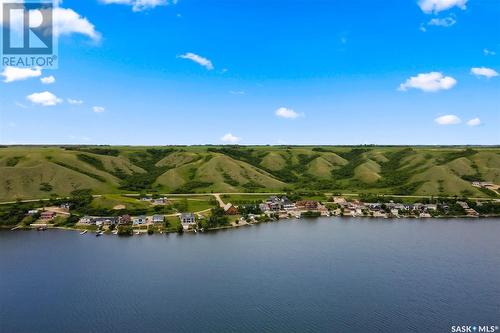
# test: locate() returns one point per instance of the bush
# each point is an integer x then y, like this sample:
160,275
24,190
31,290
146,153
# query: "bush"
125,230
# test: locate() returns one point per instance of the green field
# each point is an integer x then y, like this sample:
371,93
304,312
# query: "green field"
31,172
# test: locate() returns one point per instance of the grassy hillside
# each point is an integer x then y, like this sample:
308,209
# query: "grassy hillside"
38,172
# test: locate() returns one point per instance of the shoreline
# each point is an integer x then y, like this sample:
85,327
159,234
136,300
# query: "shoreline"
144,231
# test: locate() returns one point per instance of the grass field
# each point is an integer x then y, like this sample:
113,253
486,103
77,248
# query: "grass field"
32,172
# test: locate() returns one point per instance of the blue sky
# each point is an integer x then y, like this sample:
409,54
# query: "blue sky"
263,72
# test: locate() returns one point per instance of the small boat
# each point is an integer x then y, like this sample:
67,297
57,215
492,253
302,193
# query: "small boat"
137,233
83,232
115,232
99,233
41,228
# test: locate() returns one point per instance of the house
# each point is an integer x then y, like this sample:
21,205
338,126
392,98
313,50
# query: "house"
158,219
105,220
307,204
229,209
125,219
99,221
463,204
395,212
139,220
187,219
274,203
431,207
287,204
264,207
159,201
339,200
65,206
86,220
47,215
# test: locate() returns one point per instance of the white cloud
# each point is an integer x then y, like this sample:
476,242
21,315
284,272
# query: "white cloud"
98,109
237,92
449,119
430,82
75,101
474,122
489,52
67,22
198,59
286,113
229,138
436,6
48,79
12,74
442,22
483,71
140,5
44,98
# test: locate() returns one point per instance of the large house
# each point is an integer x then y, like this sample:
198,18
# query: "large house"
139,220
187,220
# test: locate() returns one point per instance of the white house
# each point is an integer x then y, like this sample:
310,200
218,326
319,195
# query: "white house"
187,220
139,220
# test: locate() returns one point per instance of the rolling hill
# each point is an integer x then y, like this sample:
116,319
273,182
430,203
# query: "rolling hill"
30,172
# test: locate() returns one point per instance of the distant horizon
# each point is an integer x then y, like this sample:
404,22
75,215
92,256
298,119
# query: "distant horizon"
62,145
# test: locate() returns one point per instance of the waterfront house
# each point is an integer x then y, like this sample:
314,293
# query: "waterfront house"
187,220
125,219
99,221
431,207
287,204
264,207
158,219
274,203
86,220
229,209
139,220
307,204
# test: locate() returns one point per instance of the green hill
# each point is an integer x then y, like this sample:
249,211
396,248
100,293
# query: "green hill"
37,172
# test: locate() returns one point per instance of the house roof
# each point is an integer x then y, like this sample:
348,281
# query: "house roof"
187,215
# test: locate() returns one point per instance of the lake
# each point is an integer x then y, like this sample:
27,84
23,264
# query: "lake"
322,275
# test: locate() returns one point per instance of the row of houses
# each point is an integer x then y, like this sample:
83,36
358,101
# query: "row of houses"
283,206
187,220
155,201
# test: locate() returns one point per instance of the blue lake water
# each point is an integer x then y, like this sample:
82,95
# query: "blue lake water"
324,275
